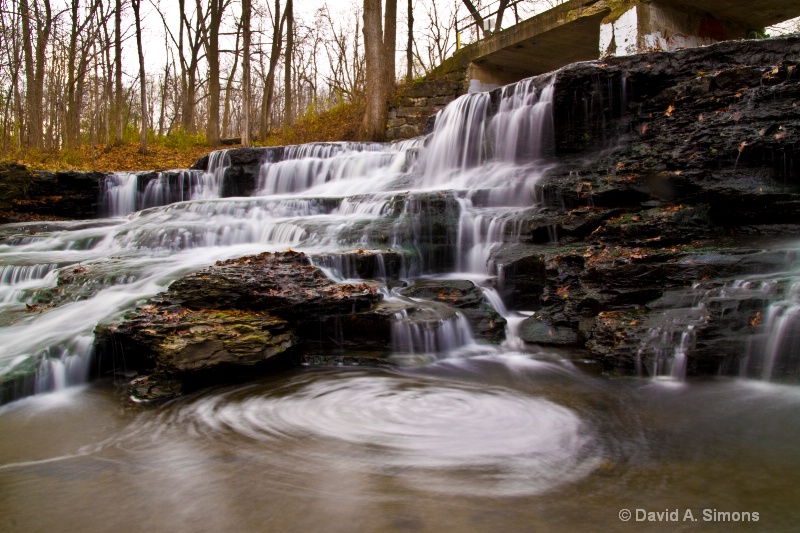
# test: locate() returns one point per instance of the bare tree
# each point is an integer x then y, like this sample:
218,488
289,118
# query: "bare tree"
389,45
246,13
13,119
210,25
500,9
142,80
374,124
410,44
41,26
269,81
345,60
118,97
287,91
378,45
475,15
226,114
162,115
83,31
438,42
190,27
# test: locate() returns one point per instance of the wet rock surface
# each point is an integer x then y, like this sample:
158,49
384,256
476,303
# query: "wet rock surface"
668,166
625,304
463,295
670,171
38,195
247,312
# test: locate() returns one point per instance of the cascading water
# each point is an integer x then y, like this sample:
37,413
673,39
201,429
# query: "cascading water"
440,337
127,192
773,352
446,432
758,316
425,206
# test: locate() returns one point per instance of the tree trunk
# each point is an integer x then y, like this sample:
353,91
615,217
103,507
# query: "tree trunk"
81,37
184,67
35,66
27,49
374,124
501,8
189,66
410,44
142,79
390,45
118,96
226,115
211,33
69,118
475,16
164,87
287,117
246,73
269,83
108,83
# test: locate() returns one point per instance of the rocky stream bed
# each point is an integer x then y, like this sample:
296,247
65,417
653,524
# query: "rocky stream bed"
667,188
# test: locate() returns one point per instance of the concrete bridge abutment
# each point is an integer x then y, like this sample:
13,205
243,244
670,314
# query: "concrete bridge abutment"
583,30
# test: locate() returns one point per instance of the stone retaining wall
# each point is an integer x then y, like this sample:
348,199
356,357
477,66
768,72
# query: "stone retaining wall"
417,101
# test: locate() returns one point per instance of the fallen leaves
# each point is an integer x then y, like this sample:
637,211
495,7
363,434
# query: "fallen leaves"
563,291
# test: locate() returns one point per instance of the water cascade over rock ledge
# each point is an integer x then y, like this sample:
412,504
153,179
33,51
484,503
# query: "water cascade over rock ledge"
640,211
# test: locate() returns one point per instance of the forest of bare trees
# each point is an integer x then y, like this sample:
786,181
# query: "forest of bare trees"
99,72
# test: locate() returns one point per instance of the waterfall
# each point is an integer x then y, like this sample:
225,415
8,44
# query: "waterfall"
427,206
127,192
121,193
759,316
775,352
437,205
430,337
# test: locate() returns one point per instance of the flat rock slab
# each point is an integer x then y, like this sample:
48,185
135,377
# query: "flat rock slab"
282,283
235,314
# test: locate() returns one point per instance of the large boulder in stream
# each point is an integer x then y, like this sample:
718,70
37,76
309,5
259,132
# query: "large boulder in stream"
250,312
282,283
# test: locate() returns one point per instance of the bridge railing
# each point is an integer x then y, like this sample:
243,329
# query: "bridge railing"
468,30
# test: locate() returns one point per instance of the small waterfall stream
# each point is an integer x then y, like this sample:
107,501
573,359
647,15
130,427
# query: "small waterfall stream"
128,192
449,432
436,205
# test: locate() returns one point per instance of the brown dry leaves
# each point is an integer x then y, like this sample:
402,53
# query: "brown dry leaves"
110,158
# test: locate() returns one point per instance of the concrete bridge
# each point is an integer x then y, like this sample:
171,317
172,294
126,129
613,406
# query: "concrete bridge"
581,30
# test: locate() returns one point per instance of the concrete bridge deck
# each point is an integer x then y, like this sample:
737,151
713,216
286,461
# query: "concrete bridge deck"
572,32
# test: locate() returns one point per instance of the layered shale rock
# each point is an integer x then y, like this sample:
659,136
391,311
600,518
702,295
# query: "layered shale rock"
246,312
